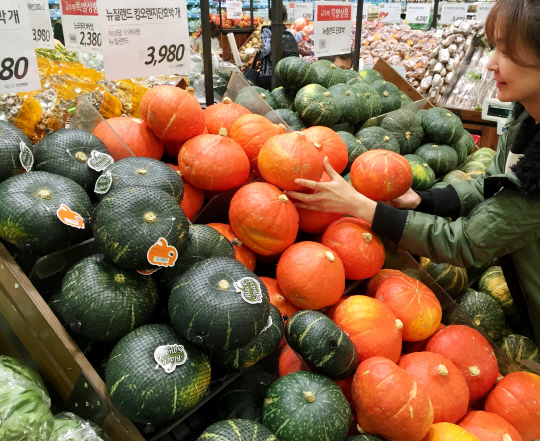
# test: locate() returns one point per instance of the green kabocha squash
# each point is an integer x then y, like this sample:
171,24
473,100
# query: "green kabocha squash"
103,302
484,312
441,126
10,150
261,346
406,128
292,119
203,243
366,437
456,176
317,106
325,73
405,99
440,157
484,155
468,141
41,213
219,304
248,98
308,401
66,152
493,283
390,95
474,167
149,391
237,430
411,158
351,74
461,150
284,98
423,175
373,138
292,72
370,75
518,347
420,113
372,97
440,184
354,109
322,344
138,171
453,279
354,148
136,228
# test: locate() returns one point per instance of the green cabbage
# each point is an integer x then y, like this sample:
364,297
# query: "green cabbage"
68,426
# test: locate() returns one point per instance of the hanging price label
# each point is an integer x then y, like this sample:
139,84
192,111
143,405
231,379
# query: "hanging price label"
18,64
332,30
142,38
451,13
234,10
483,10
418,12
40,20
80,24
390,12
365,9
304,10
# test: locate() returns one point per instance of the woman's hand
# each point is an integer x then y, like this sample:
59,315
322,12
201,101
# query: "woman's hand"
336,196
410,200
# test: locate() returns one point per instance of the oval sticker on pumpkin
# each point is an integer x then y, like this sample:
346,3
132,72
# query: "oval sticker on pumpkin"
69,217
162,254
99,161
249,289
170,356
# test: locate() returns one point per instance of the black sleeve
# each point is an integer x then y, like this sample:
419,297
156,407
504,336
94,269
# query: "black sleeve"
389,222
442,202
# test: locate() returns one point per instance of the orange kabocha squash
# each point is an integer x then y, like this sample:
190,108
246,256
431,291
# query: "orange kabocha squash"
488,426
329,143
277,298
193,200
243,253
448,432
373,284
223,114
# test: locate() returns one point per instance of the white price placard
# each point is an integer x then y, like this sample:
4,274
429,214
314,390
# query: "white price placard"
40,20
332,30
291,12
452,12
142,38
483,10
418,13
18,63
365,10
390,12
234,10
304,10
80,24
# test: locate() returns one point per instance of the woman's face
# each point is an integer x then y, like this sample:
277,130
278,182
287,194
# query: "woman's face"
515,83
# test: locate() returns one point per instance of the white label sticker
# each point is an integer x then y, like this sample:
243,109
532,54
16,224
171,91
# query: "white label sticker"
249,51
483,10
249,289
390,12
170,356
69,217
18,62
332,30
452,12
234,10
418,12
103,183
99,161
143,38
26,157
40,19
80,24
268,324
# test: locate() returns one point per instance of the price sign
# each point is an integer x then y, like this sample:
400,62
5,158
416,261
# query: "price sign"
41,24
234,10
418,12
365,10
483,10
80,24
18,64
142,38
291,12
453,12
390,12
304,10
332,30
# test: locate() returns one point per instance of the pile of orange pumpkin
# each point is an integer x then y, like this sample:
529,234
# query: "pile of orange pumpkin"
417,379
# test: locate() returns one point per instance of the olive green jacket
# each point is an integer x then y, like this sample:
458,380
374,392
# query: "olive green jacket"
506,224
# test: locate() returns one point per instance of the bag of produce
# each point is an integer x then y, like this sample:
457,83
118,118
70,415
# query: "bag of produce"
68,426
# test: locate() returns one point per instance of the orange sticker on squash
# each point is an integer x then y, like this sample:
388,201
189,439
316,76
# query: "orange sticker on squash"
69,217
162,254
148,272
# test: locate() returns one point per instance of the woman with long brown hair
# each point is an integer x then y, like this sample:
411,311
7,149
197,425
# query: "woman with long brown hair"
496,216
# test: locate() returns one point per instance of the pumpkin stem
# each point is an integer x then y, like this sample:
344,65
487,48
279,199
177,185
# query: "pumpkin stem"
359,142
474,371
347,93
367,237
282,126
507,437
142,171
283,198
333,66
223,131
301,133
237,242
385,93
478,320
368,94
386,138
224,285
150,217
227,100
310,397
403,97
318,145
81,157
330,256
120,278
434,146
407,135
44,194
362,431
442,371
399,324
263,96
190,90
425,165
327,93
448,115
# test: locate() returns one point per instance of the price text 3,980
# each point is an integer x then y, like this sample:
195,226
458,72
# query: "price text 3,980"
170,53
